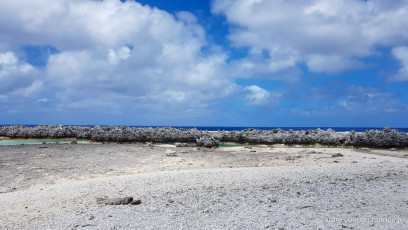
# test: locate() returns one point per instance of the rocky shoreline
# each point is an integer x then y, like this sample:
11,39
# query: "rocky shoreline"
386,138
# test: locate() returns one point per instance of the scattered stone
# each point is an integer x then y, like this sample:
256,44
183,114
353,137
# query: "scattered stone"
337,155
354,162
306,206
43,146
272,200
170,153
252,151
136,202
181,145
117,201
289,158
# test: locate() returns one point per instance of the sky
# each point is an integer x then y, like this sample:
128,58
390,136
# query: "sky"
257,63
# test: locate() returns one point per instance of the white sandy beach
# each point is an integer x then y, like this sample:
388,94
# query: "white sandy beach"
261,187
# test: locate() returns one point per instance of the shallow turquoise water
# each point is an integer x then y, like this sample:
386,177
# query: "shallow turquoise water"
40,141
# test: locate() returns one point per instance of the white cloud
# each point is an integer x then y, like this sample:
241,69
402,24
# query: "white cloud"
401,53
328,36
8,58
113,56
14,73
29,91
332,64
258,96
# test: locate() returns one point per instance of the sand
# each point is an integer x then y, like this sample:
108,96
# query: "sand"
258,187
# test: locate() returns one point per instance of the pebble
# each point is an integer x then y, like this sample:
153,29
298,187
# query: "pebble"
171,153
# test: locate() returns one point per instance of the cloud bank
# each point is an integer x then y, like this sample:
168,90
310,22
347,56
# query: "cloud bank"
327,36
113,56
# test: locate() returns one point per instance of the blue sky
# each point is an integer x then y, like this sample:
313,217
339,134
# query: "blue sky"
205,63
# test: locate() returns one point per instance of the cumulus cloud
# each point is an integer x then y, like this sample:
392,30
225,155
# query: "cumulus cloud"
401,53
116,56
13,72
7,59
258,96
328,36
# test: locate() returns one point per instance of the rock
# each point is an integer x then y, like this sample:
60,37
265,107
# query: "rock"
74,142
306,206
337,155
136,202
170,153
43,146
386,139
392,149
181,145
116,201
289,158
207,141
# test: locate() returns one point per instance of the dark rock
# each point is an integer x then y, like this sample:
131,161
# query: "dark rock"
136,202
337,155
207,141
115,201
387,138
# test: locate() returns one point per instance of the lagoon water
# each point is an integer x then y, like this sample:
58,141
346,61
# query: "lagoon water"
39,141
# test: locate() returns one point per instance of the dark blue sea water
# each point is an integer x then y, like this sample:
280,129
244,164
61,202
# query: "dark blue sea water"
215,128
